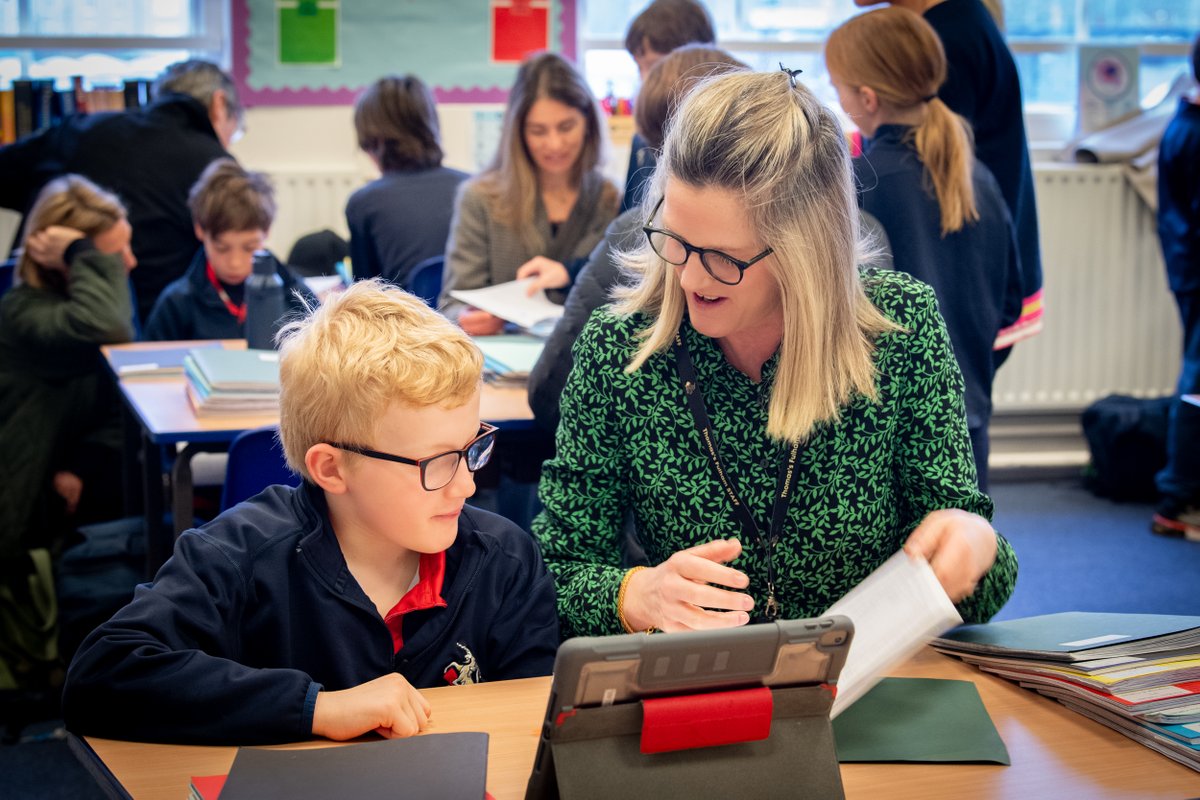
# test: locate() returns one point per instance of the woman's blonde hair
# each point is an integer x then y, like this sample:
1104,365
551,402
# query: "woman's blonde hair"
74,202
898,54
357,353
510,181
784,155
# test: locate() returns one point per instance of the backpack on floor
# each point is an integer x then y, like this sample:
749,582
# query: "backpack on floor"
97,576
1127,438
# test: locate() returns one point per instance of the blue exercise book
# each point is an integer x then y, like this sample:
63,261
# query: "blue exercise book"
153,360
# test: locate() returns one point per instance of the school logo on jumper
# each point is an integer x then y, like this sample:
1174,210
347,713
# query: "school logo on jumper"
466,672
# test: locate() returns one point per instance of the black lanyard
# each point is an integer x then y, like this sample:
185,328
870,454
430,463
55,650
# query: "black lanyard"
784,484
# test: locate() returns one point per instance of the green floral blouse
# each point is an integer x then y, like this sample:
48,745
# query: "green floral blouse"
628,441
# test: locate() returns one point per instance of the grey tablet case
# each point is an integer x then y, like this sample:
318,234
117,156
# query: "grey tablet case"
740,712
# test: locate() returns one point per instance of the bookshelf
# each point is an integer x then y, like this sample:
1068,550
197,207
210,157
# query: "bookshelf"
30,105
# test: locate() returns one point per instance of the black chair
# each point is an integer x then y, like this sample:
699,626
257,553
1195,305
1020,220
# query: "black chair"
425,280
255,462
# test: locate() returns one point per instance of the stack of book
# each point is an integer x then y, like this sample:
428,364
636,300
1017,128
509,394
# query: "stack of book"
1139,674
222,382
508,360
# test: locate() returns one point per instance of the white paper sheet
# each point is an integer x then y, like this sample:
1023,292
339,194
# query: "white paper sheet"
509,302
896,611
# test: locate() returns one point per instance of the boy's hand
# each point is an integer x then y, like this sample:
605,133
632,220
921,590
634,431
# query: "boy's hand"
388,705
480,323
47,246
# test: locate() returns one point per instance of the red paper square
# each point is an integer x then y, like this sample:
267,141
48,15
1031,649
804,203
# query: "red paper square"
519,27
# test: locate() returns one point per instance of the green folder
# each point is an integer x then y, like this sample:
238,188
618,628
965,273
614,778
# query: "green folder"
919,719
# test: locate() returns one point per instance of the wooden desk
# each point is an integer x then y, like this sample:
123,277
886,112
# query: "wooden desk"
165,419
1055,752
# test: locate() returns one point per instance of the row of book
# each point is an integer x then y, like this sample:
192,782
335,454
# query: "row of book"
1139,674
232,382
30,106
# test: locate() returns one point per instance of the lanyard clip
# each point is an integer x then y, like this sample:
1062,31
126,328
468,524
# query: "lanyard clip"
772,606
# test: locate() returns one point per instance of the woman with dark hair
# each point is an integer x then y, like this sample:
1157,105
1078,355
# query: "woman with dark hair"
403,217
542,205
60,428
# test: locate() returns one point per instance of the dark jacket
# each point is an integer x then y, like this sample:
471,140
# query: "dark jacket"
974,273
400,220
590,291
257,611
191,309
982,85
150,158
56,395
1179,198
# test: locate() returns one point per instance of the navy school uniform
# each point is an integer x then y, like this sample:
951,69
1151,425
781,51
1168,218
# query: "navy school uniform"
974,272
257,611
190,308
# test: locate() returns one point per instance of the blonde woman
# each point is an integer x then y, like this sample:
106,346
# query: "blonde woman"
542,205
59,413
753,360
943,211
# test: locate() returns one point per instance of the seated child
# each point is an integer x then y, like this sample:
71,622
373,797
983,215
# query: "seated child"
320,610
232,210
60,423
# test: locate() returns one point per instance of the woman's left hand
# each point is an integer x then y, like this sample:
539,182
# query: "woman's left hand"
959,545
546,272
47,246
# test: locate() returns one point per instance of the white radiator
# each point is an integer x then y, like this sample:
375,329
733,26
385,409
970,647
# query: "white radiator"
309,201
1110,324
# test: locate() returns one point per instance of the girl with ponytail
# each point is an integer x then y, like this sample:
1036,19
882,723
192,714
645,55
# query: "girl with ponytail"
942,210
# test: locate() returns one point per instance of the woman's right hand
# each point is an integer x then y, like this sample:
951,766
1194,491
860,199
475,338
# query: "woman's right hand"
677,595
480,323
47,246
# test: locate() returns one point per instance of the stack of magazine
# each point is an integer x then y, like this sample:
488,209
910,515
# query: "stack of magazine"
223,382
1139,674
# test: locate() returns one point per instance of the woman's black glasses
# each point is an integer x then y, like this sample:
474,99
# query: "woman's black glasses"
674,250
437,471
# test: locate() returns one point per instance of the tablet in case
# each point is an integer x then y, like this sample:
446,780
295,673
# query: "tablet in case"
740,712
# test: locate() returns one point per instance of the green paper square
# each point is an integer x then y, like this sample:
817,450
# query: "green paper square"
308,34
919,719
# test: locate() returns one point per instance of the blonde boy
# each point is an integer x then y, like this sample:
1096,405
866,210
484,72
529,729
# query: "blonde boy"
320,610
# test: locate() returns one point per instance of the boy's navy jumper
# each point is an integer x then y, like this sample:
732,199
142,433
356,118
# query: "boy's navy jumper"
257,611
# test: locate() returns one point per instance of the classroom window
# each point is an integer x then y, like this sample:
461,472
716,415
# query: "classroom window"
106,41
1045,36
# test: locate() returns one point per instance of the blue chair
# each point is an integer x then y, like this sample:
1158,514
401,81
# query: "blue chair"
255,462
425,280
6,274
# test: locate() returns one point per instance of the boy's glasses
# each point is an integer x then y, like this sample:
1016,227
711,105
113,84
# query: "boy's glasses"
437,471
675,250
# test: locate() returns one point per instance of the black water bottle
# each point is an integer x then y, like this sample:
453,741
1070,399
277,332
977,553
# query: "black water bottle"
264,303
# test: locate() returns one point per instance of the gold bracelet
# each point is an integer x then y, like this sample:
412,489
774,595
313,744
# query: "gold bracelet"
621,602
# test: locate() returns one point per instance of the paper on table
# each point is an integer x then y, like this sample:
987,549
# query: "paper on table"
896,611
509,302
